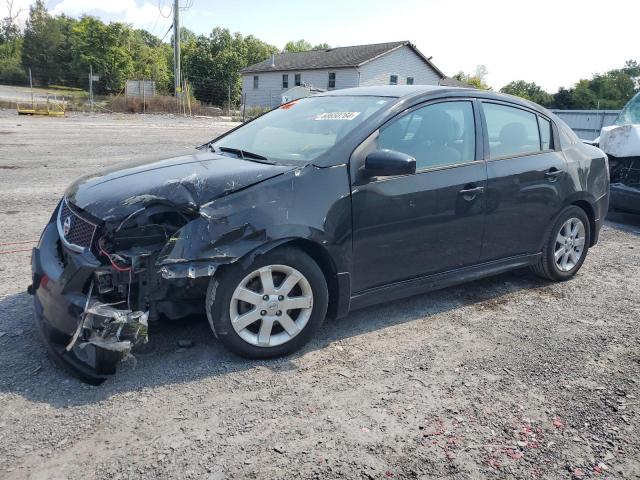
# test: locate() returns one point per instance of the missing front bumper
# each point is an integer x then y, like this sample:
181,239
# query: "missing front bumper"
85,336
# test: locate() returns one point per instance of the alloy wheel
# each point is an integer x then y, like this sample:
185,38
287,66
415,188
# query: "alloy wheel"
569,246
271,305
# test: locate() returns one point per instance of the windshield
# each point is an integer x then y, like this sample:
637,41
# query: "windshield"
630,114
302,129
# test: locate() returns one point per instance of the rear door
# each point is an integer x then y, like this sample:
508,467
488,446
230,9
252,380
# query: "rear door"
526,175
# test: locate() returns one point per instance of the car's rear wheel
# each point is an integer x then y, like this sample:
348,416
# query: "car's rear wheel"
270,308
566,245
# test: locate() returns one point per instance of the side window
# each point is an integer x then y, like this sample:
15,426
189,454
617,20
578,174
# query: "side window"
298,79
409,80
285,80
256,80
393,79
512,131
435,135
546,134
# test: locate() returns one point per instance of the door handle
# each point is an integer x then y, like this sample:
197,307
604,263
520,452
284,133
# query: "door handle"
553,174
470,194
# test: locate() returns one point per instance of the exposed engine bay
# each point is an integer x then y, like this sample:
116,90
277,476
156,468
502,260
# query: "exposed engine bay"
625,170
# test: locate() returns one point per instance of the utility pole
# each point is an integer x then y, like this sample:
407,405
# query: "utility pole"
176,47
91,86
31,86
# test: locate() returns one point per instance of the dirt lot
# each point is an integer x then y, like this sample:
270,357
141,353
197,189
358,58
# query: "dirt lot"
509,377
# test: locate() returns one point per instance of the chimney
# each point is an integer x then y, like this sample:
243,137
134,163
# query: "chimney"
273,60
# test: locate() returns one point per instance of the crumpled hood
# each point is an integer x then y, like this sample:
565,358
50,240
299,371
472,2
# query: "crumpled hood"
185,182
621,140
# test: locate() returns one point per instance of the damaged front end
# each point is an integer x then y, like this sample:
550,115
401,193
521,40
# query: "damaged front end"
106,265
96,285
105,335
625,183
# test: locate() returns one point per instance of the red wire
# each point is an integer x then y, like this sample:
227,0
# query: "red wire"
113,264
17,243
16,251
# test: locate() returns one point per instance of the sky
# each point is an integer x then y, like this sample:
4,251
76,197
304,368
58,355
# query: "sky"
550,42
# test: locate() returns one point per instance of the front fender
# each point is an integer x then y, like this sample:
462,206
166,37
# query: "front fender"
309,203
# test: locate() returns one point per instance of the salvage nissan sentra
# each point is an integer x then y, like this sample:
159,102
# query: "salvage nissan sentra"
321,206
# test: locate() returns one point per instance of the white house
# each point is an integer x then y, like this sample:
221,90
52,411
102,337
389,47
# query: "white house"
394,63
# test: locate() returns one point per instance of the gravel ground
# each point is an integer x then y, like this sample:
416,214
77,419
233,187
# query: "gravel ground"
509,377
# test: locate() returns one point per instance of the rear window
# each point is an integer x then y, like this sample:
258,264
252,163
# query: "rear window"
512,131
546,135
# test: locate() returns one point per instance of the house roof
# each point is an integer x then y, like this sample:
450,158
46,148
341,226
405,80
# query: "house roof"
453,82
339,57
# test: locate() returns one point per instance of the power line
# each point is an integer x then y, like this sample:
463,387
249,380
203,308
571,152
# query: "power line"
160,10
167,33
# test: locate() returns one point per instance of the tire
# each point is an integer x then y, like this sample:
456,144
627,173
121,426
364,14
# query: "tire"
559,270
246,339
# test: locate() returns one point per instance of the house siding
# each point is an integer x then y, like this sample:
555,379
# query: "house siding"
403,62
269,91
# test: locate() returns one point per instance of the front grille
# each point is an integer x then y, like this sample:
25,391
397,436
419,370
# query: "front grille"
76,232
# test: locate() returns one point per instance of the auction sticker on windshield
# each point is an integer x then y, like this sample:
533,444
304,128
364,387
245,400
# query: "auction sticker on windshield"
337,116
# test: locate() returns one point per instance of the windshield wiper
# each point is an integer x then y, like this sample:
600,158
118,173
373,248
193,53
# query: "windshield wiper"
245,155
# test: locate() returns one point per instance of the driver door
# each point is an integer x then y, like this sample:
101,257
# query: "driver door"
432,221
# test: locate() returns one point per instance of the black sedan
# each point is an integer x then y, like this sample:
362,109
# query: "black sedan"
321,206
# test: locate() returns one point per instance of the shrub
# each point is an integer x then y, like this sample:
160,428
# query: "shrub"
12,73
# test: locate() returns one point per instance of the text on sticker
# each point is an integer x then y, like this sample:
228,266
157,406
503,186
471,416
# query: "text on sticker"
337,116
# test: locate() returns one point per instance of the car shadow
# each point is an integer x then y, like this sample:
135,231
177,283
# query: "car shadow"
27,371
628,222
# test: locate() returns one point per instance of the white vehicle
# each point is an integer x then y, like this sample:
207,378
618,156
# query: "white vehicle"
621,142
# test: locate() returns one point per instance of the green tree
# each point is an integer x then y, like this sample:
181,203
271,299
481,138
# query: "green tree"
529,91
113,52
298,46
213,63
609,90
582,97
213,66
43,44
150,60
9,29
562,99
257,50
11,71
476,79
632,68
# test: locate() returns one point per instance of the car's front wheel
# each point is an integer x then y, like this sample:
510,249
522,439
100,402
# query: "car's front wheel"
566,245
270,308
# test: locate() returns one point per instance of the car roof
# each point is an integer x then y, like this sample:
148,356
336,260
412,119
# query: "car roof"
394,91
403,92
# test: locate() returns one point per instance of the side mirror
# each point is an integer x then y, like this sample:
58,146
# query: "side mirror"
386,163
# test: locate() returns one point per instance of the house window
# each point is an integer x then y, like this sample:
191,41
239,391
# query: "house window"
285,81
332,80
298,79
393,80
256,80
409,80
